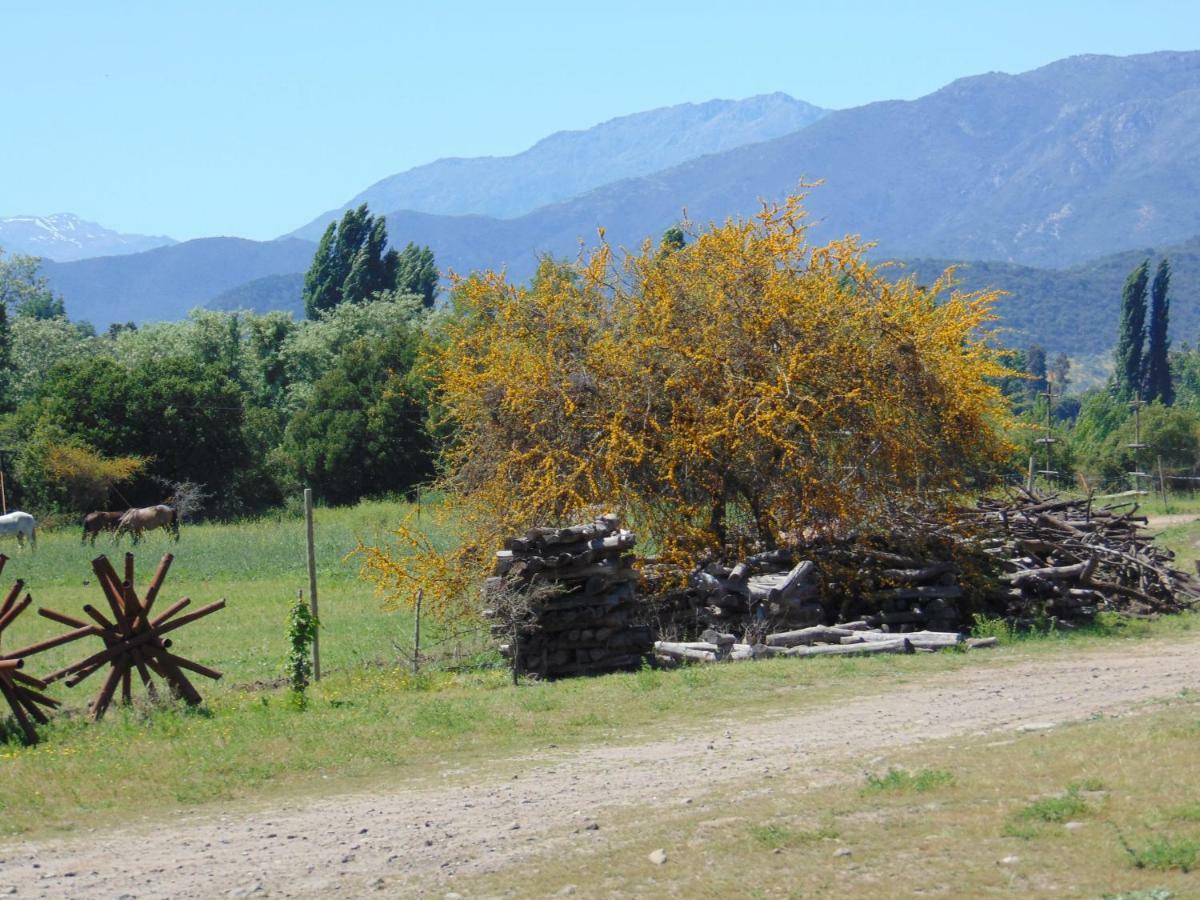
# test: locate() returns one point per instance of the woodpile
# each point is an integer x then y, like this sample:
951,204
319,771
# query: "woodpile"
882,581
1032,560
564,598
1068,559
848,639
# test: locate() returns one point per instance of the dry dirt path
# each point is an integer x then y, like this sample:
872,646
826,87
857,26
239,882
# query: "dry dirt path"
416,841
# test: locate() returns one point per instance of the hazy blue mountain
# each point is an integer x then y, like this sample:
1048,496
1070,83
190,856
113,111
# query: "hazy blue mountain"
65,237
1072,161
568,163
1072,310
271,292
166,283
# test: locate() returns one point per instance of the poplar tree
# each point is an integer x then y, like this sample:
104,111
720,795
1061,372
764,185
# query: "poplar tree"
1158,368
1129,371
352,264
416,273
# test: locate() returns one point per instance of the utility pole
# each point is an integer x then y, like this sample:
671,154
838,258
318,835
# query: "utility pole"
1137,446
1048,441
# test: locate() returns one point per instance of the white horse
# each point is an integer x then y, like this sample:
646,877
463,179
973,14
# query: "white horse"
20,524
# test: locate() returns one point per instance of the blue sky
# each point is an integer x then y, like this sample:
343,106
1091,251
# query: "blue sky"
249,118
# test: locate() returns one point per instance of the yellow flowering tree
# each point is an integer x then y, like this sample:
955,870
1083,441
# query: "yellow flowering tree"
743,389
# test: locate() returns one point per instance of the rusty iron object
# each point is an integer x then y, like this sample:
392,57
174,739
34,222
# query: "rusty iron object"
133,641
22,692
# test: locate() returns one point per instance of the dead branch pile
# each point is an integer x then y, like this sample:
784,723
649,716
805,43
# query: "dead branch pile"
564,597
1030,559
1068,559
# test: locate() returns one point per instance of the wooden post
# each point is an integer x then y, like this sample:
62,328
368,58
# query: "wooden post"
3,494
312,581
1162,485
417,633
1029,485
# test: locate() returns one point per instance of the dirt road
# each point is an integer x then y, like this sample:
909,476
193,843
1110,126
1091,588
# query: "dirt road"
415,842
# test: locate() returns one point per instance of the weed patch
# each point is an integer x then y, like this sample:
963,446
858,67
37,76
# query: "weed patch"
899,781
1164,853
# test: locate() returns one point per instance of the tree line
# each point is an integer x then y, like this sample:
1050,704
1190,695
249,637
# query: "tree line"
252,407
1095,428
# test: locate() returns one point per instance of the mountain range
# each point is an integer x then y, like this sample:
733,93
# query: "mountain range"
1040,181
65,237
569,163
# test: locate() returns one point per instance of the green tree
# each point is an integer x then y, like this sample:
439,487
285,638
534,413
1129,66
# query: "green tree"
186,418
1158,367
1035,368
25,291
362,433
6,361
1130,368
416,273
673,239
352,263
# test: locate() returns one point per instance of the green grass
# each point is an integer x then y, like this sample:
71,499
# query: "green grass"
1055,809
370,719
898,781
1164,853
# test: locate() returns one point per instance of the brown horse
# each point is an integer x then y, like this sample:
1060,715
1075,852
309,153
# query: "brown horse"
136,521
96,522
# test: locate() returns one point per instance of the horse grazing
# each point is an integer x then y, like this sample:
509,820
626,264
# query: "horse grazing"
96,522
20,524
136,521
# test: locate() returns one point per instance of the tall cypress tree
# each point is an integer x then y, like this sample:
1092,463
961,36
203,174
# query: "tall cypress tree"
1158,366
1129,372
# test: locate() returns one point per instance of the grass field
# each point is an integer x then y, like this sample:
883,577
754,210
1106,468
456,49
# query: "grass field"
370,720
1103,808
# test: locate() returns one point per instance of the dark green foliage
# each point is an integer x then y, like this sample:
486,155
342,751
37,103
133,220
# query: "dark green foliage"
187,416
363,432
1060,373
673,239
1035,368
43,305
6,364
1158,368
416,273
25,290
1129,372
353,264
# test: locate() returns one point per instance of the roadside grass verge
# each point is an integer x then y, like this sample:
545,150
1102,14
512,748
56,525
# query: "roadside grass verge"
370,720
366,726
1109,805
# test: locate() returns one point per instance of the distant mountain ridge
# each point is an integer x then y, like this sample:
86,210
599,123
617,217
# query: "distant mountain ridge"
569,163
165,283
65,237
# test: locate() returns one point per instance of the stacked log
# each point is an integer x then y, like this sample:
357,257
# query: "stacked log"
1030,559
878,580
564,598
848,639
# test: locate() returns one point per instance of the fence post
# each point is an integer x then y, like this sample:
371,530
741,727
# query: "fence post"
312,581
417,633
